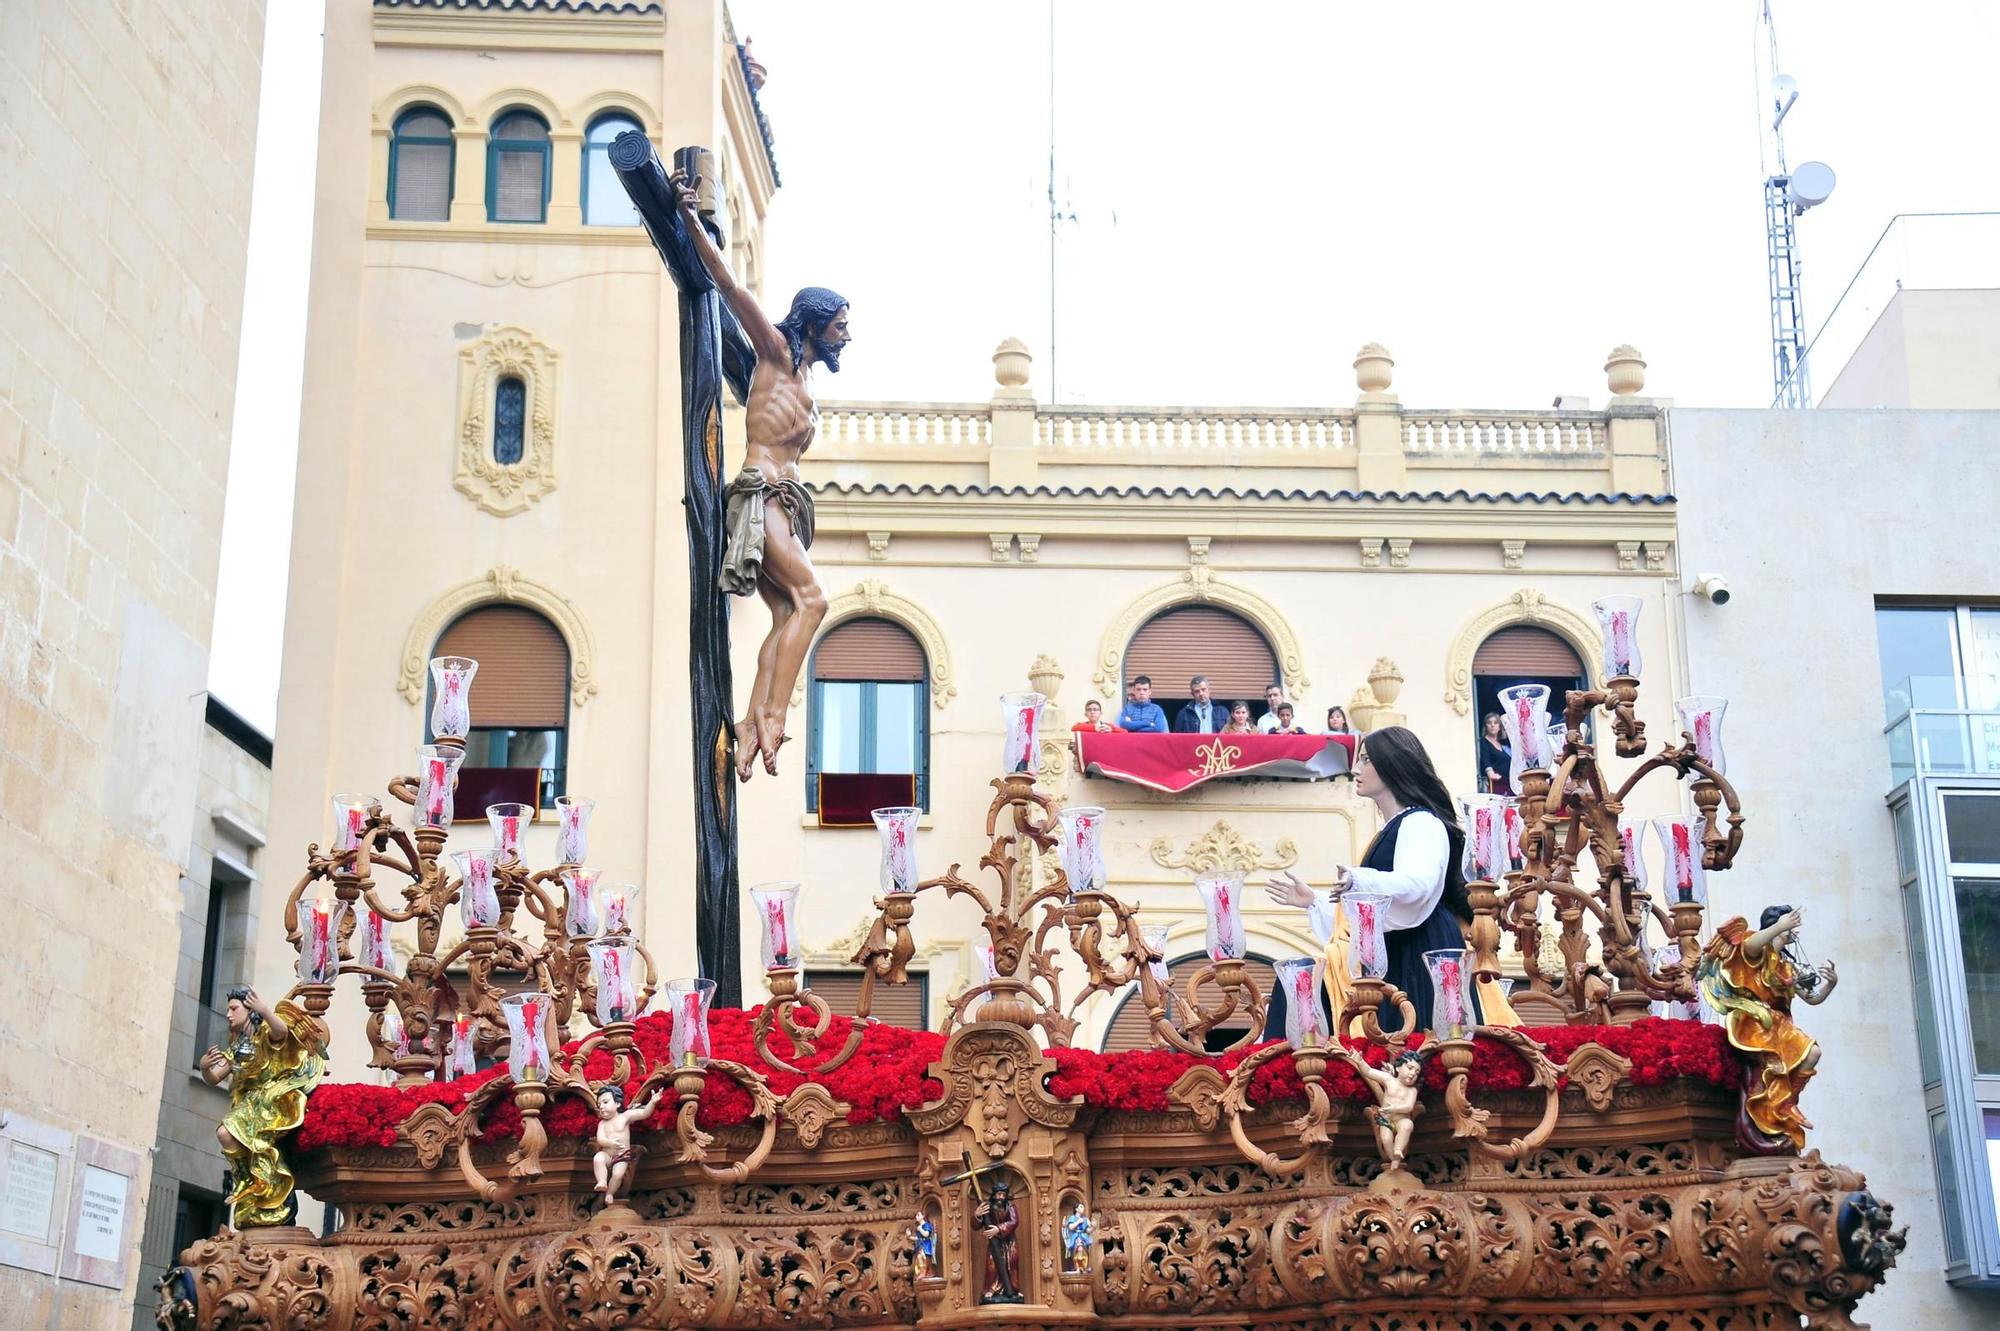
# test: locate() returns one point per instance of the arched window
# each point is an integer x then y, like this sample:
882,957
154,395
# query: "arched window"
421,162
869,742
517,169
605,202
1176,645
1522,654
518,751
510,413
1128,1028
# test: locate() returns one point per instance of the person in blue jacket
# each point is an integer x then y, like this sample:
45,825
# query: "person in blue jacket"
1141,713
1203,716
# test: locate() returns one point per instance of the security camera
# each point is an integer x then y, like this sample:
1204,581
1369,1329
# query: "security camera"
1713,587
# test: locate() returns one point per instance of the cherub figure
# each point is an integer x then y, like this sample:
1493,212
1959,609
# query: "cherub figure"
616,1156
1751,979
923,1243
1079,1236
1396,1107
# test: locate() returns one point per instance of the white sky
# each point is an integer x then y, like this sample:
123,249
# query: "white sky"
1497,192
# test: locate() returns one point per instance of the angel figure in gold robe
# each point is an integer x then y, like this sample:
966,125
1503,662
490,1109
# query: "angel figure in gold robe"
1751,978
275,1058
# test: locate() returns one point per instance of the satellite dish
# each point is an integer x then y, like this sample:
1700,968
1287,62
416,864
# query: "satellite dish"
1783,88
1812,183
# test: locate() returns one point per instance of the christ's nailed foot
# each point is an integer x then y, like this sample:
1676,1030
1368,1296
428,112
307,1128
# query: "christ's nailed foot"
770,740
746,749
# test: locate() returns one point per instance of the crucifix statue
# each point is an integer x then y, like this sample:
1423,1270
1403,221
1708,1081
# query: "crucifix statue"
770,511
750,534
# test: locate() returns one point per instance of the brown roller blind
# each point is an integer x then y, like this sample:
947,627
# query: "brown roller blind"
869,649
523,679
1522,650
1129,1029
1201,640
895,1004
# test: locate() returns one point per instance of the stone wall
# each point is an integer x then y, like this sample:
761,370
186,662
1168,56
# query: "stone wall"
126,138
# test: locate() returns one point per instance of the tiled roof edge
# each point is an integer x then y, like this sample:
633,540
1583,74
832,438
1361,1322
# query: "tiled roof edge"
1227,492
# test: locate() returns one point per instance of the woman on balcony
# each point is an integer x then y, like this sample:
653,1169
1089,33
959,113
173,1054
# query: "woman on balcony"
1414,861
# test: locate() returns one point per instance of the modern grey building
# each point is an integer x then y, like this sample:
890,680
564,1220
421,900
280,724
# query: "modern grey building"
221,893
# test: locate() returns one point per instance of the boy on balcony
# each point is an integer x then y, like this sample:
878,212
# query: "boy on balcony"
1141,713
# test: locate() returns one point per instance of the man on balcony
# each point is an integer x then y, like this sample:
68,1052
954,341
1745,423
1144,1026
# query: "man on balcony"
1274,695
1200,716
1141,713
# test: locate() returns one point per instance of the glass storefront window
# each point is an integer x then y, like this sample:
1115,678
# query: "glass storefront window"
1972,831
1979,941
1919,653
1948,1187
1920,981
1993,1158
1906,843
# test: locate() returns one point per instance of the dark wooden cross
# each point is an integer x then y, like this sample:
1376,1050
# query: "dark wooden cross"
714,352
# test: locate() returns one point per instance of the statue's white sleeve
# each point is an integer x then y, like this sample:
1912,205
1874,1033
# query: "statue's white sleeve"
1415,883
1321,913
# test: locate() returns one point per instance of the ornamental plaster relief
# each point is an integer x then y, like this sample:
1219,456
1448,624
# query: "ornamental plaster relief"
504,585
1198,584
1526,606
505,489
872,598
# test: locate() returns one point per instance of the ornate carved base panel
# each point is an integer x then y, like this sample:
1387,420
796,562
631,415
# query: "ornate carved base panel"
1670,1232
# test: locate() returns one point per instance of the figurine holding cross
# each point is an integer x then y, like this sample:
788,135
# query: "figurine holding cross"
770,511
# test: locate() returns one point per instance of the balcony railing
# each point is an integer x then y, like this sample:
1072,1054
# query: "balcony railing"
1570,434
1926,741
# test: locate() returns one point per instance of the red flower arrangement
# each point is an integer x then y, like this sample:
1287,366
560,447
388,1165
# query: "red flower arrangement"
888,1075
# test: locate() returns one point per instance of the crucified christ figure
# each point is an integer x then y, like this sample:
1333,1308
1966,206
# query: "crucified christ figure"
770,511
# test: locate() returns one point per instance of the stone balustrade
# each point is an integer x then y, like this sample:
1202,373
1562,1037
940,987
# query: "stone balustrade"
1374,445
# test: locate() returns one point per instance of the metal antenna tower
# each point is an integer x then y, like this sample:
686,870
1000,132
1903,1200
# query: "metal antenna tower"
1786,195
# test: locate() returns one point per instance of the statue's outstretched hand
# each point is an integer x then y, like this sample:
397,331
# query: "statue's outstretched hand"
1287,889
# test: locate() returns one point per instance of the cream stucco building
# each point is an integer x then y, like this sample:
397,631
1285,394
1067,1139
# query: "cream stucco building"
992,536
124,209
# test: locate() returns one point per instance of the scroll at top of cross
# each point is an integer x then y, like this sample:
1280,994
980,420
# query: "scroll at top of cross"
770,511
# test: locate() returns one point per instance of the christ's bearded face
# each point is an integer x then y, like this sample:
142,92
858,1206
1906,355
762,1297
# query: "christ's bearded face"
831,340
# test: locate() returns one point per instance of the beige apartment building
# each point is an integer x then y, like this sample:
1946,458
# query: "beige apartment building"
124,208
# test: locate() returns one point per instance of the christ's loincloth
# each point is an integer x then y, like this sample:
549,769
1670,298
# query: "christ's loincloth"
743,562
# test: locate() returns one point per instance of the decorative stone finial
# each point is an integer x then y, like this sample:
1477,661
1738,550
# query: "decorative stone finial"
1361,711
1045,676
1385,680
1371,368
1011,360
1625,370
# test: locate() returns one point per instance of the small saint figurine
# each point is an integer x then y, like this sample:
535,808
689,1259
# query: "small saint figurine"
1751,978
996,1220
275,1058
923,1243
1078,1236
616,1156
1395,1086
